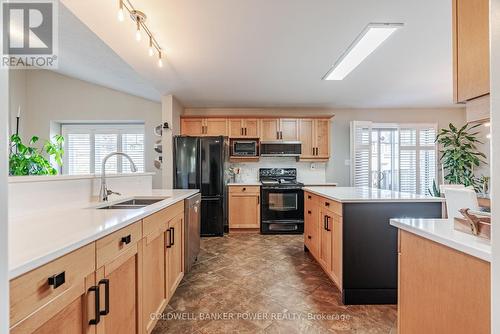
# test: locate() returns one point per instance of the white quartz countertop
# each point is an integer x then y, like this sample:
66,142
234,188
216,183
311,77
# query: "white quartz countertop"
442,232
361,194
320,184
248,184
39,238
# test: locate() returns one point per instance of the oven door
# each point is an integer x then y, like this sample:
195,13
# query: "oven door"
280,203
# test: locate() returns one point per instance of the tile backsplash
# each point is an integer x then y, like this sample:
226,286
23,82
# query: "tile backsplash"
307,172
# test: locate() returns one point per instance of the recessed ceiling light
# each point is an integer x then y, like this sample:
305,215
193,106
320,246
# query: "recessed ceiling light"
367,41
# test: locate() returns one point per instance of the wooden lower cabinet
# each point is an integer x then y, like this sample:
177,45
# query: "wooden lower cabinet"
323,234
441,290
174,254
119,286
244,207
325,249
113,285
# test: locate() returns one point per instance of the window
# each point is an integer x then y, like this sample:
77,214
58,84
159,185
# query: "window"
400,157
86,145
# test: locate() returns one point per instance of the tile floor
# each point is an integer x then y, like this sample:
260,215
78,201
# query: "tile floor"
251,283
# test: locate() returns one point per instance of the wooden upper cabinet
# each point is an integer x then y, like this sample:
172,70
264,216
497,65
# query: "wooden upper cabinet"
306,130
251,127
322,138
215,127
269,129
204,127
243,128
471,49
289,129
236,128
315,138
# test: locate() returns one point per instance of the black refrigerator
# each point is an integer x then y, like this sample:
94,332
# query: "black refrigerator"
199,163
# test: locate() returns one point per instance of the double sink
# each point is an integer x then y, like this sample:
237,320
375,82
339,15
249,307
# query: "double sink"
135,203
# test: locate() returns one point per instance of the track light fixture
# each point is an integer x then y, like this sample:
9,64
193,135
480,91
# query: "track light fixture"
139,18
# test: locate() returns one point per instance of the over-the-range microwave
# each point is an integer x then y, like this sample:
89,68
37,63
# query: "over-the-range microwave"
244,148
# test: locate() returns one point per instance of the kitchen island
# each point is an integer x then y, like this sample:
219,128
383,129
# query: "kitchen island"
347,231
439,267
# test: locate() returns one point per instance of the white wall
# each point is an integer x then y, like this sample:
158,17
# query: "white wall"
4,286
52,97
336,169
171,112
495,161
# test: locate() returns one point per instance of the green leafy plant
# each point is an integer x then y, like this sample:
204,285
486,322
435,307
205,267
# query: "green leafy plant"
30,160
459,154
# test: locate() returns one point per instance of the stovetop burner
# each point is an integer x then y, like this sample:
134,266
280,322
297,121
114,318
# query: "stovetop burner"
279,177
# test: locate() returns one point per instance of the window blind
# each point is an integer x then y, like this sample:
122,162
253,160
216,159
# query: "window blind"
416,155
86,145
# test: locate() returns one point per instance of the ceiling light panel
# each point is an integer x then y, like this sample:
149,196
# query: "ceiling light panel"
367,41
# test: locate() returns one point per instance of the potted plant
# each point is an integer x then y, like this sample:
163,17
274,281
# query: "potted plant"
459,154
30,160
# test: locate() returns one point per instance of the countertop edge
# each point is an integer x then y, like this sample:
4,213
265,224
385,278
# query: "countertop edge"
381,200
26,267
453,244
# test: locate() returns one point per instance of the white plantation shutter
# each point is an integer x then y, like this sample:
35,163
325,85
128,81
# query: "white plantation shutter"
417,155
133,145
86,145
78,153
361,154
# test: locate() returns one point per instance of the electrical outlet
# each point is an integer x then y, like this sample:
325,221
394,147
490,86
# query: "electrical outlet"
313,166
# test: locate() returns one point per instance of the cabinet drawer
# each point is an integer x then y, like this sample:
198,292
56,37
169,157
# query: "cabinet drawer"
244,189
335,207
310,198
113,245
157,222
32,291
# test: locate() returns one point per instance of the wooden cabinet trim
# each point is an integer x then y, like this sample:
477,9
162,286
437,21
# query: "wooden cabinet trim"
111,246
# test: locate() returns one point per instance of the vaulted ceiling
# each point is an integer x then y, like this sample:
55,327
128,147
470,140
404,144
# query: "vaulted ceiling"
252,53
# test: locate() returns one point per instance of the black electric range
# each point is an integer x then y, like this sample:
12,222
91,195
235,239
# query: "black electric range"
282,204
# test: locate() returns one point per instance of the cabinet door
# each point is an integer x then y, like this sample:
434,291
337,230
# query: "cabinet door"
306,130
325,252
192,126
337,250
322,138
311,228
244,210
216,127
235,128
251,128
175,253
289,129
154,294
119,287
472,49
269,128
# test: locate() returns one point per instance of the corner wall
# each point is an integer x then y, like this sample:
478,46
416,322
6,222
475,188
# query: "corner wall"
4,259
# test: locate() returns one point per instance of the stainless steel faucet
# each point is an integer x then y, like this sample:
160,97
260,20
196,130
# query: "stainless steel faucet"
105,192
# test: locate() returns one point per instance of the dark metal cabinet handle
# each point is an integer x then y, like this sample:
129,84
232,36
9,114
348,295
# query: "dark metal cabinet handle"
309,212
309,197
244,189
277,135
258,200
246,131
172,236
327,204
127,239
241,131
308,237
169,238
57,280
105,282
328,223
324,222
97,319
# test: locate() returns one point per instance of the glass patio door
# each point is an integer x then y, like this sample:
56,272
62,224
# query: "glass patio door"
384,158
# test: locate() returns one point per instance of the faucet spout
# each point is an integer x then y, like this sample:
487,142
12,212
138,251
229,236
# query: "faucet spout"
104,191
